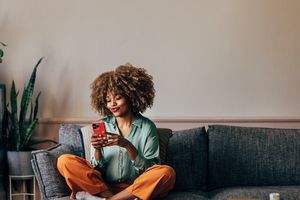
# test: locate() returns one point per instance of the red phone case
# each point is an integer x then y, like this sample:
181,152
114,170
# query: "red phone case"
99,128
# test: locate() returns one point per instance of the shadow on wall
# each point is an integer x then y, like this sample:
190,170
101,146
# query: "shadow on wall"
47,136
59,97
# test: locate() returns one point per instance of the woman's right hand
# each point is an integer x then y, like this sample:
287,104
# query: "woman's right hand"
98,142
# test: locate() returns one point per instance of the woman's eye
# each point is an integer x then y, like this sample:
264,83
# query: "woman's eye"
118,97
107,100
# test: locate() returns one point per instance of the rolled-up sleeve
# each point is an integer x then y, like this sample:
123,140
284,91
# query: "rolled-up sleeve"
97,164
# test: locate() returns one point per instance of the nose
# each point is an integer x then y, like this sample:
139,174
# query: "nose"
114,102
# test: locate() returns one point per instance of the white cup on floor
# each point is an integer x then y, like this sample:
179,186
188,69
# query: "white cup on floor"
274,196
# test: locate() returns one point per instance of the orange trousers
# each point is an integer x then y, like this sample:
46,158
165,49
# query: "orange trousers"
80,175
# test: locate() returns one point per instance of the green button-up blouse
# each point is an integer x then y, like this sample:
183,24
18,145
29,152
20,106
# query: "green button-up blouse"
115,162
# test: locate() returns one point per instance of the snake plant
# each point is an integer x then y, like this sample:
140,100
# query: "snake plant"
21,125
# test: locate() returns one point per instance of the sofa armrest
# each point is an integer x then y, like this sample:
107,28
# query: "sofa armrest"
51,183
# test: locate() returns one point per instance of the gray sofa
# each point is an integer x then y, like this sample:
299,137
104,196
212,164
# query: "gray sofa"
220,163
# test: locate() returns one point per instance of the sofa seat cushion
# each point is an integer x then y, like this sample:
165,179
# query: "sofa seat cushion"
249,156
170,196
187,154
186,196
254,192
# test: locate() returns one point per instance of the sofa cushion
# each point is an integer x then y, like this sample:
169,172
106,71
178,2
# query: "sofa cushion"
245,156
69,134
86,133
164,135
186,196
51,183
255,193
187,154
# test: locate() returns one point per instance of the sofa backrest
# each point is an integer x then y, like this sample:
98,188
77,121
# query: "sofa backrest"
71,135
187,154
241,156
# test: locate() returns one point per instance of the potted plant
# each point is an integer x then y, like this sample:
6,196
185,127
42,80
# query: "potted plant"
20,126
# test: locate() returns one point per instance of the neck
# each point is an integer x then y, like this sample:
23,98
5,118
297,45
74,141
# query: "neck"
126,120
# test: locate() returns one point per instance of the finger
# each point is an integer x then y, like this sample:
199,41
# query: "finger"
105,145
94,141
98,146
95,135
114,136
110,144
96,138
113,140
109,133
98,141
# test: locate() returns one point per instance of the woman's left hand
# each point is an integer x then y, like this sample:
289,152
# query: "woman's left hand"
115,139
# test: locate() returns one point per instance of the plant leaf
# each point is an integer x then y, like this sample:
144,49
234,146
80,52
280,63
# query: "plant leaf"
29,132
10,140
14,117
1,53
36,107
31,112
3,44
4,128
26,98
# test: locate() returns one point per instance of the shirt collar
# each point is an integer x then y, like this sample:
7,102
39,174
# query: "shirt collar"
137,120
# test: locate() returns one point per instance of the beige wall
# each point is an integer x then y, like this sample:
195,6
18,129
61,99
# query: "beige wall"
227,61
229,58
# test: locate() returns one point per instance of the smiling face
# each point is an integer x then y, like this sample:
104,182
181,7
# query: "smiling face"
117,104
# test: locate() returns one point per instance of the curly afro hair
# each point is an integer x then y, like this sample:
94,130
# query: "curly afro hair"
134,83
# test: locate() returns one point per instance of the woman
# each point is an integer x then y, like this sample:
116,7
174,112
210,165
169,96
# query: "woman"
127,165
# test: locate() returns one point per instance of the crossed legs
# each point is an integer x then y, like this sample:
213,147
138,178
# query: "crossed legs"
156,181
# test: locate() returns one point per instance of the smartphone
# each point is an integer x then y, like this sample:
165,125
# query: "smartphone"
99,128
